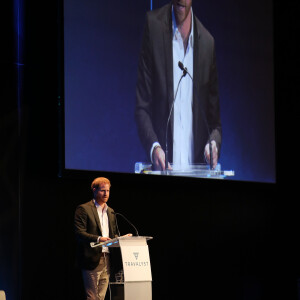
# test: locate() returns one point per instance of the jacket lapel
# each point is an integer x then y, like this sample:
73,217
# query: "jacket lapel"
95,213
198,54
168,56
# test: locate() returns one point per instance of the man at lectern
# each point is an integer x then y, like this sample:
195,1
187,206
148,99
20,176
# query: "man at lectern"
95,221
175,42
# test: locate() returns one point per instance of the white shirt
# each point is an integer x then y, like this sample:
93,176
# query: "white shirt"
102,213
183,139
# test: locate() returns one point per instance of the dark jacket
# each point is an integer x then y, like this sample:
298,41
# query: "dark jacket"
87,230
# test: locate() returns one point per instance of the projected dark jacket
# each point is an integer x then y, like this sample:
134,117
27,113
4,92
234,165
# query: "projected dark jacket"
88,229
154,91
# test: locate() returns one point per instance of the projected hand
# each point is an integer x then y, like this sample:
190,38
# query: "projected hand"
214,152
158,159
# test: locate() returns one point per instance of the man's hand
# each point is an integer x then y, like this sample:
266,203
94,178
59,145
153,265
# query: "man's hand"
214,153
103,239
159,159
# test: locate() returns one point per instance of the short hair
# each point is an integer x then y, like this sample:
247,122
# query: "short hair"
98,181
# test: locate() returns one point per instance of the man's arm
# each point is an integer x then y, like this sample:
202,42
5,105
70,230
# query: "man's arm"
80,224
214,118
146,87
144,94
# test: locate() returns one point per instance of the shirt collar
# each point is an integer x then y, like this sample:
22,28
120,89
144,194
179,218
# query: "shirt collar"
98,206
176,31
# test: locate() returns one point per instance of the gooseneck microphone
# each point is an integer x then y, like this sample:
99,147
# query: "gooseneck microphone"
117,225
183,75
118,214
185,71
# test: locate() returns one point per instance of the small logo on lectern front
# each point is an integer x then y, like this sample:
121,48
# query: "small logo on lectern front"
136,262
136,255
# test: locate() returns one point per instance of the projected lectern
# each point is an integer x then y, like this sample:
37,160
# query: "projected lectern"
136,266
192,170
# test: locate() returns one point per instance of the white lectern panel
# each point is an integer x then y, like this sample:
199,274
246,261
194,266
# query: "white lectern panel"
138,291
136,260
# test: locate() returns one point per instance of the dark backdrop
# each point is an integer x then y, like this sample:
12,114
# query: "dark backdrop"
211,238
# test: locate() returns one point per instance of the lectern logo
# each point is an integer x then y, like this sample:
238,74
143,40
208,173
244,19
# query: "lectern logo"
136,255
136,263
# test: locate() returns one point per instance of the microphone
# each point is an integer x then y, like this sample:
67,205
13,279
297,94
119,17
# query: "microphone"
118,214
185,71
180,64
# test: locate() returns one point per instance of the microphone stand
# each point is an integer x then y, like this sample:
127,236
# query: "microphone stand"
137,233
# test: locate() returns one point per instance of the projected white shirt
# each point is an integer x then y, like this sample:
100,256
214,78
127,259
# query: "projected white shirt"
183,140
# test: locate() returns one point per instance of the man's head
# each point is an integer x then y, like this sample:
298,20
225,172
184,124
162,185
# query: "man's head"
101,188
182,9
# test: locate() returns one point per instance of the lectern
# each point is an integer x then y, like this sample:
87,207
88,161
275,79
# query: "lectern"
136,265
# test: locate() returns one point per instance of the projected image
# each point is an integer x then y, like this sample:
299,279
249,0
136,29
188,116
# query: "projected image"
169,84
177,80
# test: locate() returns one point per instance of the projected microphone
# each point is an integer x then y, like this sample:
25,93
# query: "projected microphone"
118,214
185,71
183,75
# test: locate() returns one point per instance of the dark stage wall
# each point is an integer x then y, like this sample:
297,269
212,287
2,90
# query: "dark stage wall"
212,239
